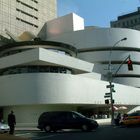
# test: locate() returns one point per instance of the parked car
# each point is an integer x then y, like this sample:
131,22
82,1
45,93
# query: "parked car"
131,119
4,127
56,120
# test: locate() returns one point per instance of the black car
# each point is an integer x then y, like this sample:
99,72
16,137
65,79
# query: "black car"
56,120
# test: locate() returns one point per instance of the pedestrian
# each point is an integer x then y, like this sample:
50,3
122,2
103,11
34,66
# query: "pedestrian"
11,122
118,118
92,116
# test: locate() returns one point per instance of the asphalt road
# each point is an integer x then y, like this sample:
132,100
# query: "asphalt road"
102,133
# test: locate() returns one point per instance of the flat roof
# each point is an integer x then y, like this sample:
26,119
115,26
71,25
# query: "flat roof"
129,14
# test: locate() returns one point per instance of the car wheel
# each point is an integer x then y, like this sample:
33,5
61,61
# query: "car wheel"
85,127
48,128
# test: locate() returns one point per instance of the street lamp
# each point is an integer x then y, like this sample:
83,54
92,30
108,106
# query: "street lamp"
110,80
109,65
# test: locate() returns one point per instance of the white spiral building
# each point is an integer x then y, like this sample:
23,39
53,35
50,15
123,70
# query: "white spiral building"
94,45
67,71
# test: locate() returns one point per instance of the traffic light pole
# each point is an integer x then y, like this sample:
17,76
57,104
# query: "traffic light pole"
111,103
110,80
111,91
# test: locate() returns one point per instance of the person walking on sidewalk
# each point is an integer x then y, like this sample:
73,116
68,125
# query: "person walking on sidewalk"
118,118
11,122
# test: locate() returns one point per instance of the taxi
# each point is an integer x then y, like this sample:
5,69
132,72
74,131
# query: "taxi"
131,119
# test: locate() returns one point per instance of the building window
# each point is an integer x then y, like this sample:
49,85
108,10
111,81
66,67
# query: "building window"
35,69
123,24
114,25
26,13
132,22
127,23
34,1
27,5
118,24
27,22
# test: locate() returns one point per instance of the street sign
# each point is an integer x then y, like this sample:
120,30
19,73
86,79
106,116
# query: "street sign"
109,86
108,93
113,90
106,96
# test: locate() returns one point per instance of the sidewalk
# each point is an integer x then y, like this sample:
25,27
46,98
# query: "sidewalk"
104,121
10,137
26,128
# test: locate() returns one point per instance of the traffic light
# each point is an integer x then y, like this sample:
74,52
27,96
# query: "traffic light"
107,101
113,101
130,65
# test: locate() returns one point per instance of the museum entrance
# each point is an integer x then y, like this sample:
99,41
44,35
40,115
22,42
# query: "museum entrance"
95,112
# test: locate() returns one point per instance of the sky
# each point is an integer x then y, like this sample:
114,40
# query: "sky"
97,12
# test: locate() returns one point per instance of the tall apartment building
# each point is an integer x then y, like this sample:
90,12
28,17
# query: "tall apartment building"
130,20
18,16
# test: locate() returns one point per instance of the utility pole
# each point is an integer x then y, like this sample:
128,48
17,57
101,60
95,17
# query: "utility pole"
110,95
111,86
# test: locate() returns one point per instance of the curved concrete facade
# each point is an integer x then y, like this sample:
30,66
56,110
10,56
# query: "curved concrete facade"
43,88
32,94
39,78
94,45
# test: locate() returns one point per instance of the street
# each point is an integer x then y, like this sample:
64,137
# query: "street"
102,133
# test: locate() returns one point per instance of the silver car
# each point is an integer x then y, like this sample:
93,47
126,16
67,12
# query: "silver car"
4,127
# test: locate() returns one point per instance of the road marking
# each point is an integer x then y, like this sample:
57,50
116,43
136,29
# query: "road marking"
45,137
22,134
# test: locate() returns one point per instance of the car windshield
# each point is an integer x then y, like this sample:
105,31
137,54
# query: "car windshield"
134,114
80,115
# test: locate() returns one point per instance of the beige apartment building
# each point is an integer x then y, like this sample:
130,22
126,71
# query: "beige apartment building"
17,16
